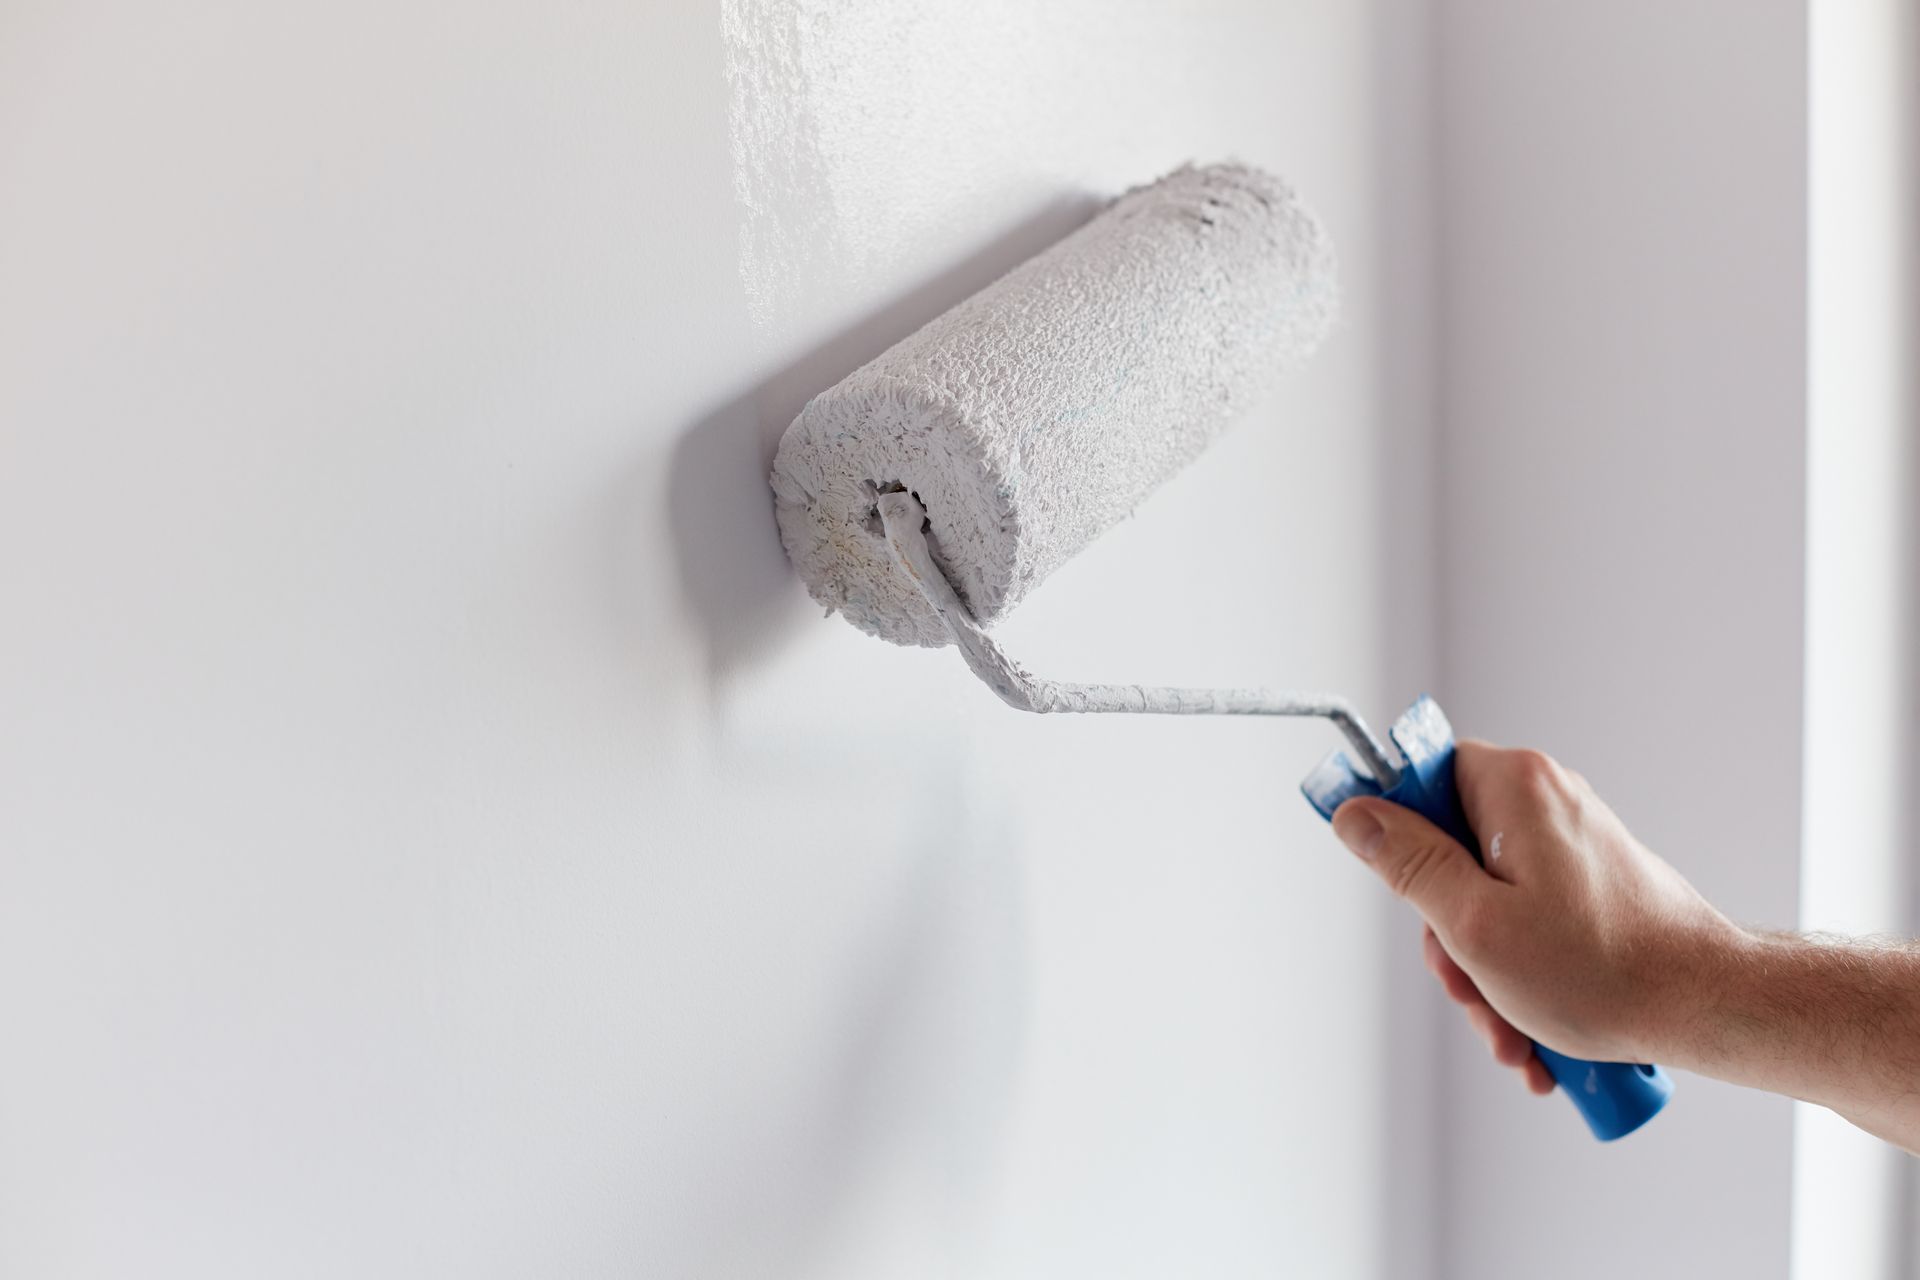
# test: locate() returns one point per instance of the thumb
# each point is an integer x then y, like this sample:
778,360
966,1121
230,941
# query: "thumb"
1419,861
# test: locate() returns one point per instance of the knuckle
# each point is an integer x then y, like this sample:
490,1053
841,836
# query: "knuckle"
1538,774
1533,766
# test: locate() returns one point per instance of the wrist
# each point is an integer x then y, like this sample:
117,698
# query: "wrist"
1696,1005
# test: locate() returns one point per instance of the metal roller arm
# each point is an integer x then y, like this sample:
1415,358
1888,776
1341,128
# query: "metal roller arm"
905,520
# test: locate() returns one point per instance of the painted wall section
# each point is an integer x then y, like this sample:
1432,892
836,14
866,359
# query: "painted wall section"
1622,196
1852,1211
437,836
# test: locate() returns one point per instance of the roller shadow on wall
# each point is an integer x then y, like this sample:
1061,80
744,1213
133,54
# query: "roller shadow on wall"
734,574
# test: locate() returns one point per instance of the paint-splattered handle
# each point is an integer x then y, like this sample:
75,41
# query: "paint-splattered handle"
1614,1098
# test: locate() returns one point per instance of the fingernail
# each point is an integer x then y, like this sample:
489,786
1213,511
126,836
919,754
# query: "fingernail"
1360,831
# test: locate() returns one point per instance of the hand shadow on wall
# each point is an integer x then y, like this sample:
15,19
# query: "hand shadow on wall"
734,573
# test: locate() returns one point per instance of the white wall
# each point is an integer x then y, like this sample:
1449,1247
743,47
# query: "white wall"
1622,206
438,838
1853,1194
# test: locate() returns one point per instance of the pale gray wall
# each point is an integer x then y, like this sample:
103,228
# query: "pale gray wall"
438,837
1622,258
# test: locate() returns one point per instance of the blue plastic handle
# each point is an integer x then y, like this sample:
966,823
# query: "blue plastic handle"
1614,1098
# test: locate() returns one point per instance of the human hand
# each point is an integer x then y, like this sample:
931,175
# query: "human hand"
1573,934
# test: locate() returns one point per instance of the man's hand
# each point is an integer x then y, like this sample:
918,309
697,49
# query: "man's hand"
1576,935
1574,932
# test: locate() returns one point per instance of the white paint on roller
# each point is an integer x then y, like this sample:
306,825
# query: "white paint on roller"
1036,414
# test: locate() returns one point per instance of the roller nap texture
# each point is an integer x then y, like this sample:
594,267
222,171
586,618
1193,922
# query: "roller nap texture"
1034,415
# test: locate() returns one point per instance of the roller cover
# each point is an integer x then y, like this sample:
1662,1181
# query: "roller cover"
1034,415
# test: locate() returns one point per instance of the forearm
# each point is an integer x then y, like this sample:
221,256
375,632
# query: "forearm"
1827,1020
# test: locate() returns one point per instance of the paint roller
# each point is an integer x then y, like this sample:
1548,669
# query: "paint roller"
924,495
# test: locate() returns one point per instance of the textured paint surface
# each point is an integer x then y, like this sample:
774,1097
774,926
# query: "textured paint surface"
1036,414
864,133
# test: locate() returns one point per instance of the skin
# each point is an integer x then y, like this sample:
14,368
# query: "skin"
1578,936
